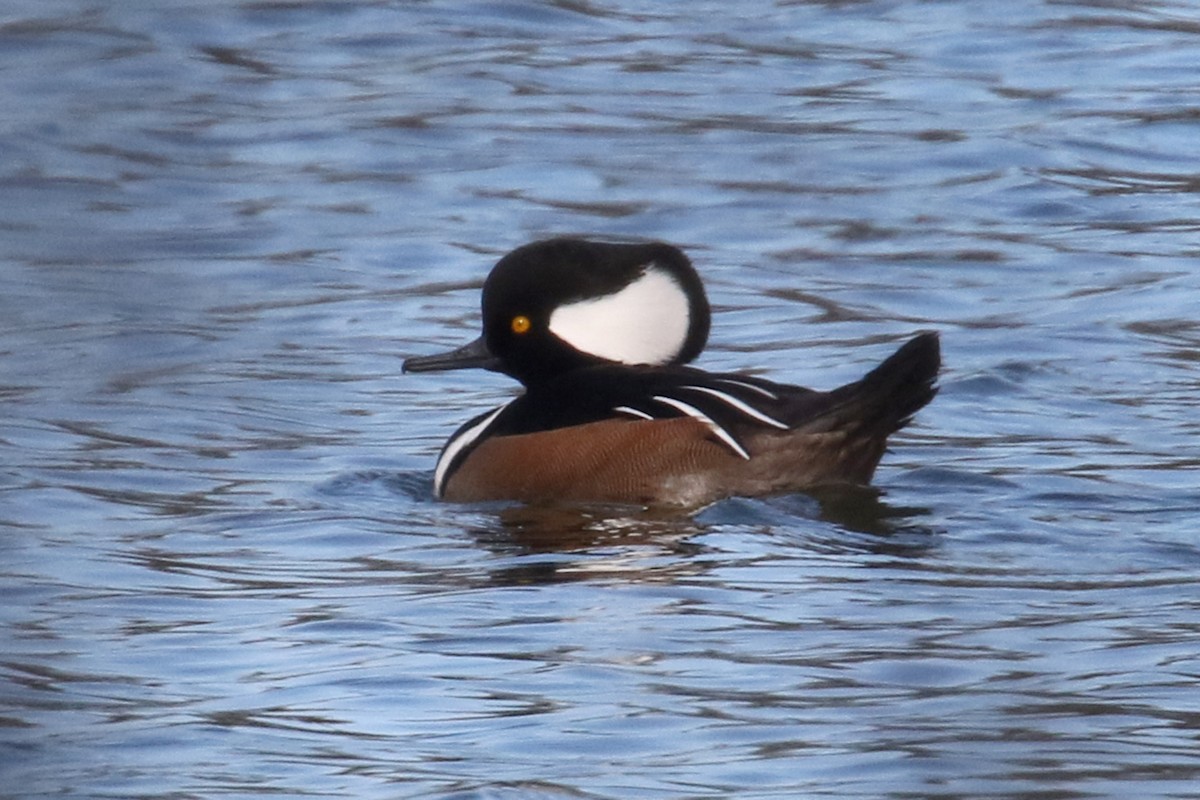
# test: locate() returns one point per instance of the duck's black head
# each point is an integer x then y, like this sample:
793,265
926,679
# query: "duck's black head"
559,304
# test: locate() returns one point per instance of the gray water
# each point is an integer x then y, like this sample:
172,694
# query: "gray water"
224,224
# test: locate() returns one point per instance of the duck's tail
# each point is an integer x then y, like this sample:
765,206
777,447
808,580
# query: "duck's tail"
855,420
886,399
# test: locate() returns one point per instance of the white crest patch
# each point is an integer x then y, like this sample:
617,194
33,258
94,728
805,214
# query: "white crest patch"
646,322
455,446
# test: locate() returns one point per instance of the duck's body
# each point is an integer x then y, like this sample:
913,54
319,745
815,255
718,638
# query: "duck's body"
598,334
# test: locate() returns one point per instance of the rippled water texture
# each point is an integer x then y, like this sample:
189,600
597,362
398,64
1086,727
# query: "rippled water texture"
223,224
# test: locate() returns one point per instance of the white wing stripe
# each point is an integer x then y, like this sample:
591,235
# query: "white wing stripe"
696,413
633,412
455,446
745,408
764,392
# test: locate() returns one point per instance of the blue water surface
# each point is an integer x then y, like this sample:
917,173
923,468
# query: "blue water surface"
223,225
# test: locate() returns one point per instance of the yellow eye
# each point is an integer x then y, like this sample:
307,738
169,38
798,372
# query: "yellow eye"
521,324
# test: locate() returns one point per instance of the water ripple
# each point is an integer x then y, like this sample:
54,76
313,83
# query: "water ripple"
224,571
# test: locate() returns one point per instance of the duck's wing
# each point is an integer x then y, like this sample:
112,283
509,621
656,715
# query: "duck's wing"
737,408
734,407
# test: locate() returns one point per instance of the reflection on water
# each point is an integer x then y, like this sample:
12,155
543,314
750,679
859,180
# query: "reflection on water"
224,226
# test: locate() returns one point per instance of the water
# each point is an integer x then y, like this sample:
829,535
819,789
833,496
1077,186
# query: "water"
225,224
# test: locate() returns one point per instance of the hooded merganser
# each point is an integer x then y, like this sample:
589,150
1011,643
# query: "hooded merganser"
598,333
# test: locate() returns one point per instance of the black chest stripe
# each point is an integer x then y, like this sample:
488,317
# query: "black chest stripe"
459,446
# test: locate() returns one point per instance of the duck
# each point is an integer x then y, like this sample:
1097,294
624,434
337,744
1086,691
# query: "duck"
601,336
